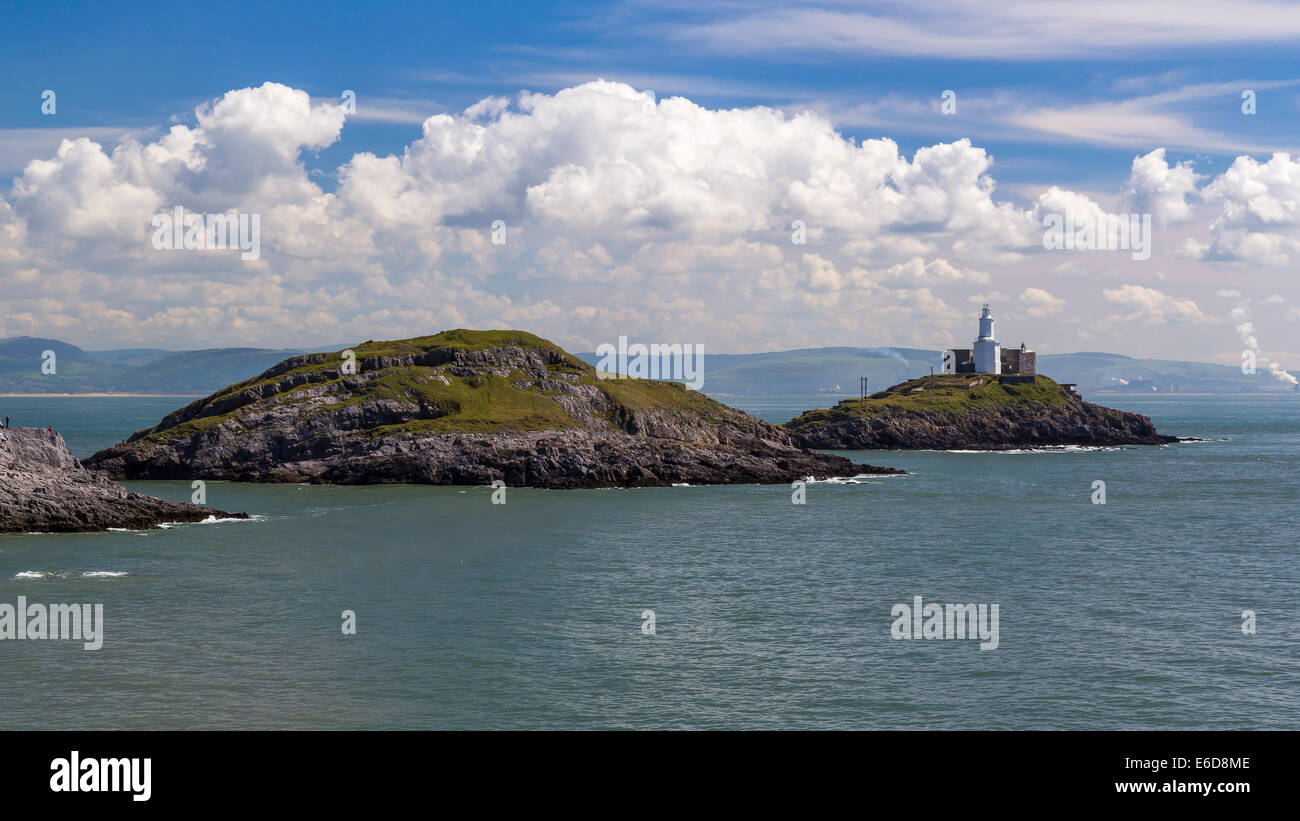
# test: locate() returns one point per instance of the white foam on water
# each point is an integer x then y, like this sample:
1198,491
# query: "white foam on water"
37,574
211,520
1044,449
859,479
94,574
214,520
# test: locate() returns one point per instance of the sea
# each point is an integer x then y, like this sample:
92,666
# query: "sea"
1172,605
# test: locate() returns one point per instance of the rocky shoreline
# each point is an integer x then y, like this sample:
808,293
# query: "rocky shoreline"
465,408
44,489
558,460
956,414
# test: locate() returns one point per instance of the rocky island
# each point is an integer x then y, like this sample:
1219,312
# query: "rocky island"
971,411
467,408
44,489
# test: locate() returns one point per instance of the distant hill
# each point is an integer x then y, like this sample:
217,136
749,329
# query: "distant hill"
131,357
21,360
1116,373
201,371
809,370
833,371
836,371
131,370
25,351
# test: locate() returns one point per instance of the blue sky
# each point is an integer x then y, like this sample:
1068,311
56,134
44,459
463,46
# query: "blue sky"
1057,96
131,66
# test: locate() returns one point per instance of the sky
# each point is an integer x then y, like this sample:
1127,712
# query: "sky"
748,176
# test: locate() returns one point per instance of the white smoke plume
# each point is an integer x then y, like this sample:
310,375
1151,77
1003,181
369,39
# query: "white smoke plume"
1281,375
1246,330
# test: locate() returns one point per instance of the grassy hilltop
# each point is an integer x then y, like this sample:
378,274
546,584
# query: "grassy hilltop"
947,393
463,407
443,398
970,410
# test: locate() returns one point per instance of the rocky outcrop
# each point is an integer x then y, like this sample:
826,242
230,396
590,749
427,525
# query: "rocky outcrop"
464,407
43,488
970,412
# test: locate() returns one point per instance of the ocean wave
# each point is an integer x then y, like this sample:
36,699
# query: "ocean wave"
1043,449
38,574
859,479
95,574
212,520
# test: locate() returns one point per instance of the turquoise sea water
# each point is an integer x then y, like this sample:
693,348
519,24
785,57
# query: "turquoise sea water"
768,614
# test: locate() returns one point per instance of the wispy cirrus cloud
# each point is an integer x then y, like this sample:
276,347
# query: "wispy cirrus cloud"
1163,118
1170,118
391,109
969,29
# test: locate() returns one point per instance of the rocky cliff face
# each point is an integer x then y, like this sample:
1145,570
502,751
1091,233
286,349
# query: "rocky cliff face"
43,488
463,407
969,411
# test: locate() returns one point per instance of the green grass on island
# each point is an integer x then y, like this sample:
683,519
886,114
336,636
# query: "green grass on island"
324,363
952,393
480,403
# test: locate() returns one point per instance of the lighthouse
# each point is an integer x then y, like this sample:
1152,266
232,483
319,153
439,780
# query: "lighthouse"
987,350
1012,365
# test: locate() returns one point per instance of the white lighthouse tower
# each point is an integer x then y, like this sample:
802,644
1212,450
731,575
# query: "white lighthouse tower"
987,350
